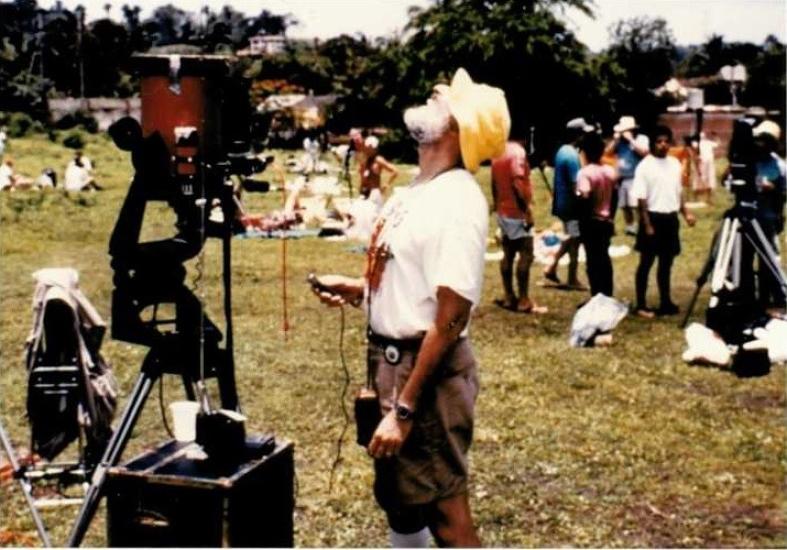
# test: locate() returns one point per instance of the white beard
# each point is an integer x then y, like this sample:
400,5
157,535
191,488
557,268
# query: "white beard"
427,123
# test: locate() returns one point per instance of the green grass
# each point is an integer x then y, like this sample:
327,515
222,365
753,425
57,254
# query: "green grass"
618,447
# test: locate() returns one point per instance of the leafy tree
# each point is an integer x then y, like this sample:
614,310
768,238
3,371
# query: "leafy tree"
106,49
640,58
169,25
766,84
520,46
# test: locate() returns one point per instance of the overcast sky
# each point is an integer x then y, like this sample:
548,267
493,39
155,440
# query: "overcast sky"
691,21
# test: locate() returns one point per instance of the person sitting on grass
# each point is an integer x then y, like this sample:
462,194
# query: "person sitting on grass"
596,185
658,191
79,174
10,180
512,193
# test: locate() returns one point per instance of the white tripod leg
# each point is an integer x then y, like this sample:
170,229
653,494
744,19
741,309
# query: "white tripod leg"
726,241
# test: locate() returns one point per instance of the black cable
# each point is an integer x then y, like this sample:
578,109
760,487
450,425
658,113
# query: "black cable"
161,406
343,398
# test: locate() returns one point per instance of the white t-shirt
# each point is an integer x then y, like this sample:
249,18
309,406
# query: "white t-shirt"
436,232
658,182
707,149
5,175
76,177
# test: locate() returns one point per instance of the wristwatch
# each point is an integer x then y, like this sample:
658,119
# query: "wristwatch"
403,412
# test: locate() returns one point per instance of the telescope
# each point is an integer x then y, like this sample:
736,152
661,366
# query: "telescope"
197,140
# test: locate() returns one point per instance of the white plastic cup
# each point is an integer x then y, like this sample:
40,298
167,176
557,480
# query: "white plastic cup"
184,415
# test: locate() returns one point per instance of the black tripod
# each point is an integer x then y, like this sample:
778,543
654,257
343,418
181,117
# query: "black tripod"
151,274
729,263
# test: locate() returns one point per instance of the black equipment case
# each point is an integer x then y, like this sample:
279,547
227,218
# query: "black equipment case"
166,497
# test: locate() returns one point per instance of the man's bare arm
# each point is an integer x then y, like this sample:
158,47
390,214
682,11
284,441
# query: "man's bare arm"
645,216
453,312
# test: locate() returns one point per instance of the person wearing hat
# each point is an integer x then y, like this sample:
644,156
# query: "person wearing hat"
374,165
425,267
771,197
630,149
564,200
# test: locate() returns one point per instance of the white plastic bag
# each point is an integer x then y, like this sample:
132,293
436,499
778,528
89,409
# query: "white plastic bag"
600,314
705,346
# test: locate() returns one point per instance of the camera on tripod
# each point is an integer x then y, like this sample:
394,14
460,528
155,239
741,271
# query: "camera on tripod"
736,295
742,173
197,143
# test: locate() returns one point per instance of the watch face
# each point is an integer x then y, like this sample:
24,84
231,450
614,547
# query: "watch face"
403,413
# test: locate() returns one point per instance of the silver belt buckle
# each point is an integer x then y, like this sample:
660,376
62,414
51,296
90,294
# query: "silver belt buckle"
392,354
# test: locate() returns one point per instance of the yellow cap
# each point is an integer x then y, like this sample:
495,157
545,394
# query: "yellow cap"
482,115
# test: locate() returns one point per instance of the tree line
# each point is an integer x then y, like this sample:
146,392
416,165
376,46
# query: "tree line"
522,46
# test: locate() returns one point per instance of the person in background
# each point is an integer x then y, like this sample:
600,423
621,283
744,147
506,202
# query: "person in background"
596,186
658,191
3,139
630,148
512,193
47,179
771,197
312,149
79,174
685,155
567,165
706,163
372,185
9,179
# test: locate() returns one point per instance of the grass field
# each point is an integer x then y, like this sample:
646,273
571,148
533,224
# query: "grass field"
619,447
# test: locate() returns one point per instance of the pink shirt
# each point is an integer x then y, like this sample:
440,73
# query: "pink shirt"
598,183
508,171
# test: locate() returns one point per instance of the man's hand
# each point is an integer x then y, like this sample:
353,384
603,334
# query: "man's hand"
649,231
337,290
389,436
690,219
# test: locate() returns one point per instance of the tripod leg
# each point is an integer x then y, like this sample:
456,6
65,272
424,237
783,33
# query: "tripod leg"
27,489
764,248
112,453
707,269
721,268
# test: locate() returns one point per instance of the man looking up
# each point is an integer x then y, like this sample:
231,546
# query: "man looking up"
564,200
658,191
513,197
424,273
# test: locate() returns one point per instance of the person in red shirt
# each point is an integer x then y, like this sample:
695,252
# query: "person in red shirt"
513,197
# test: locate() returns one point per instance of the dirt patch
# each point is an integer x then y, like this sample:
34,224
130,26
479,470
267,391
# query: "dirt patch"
703,524
762,400
12,538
